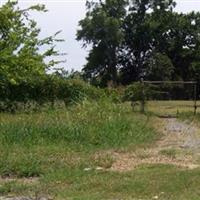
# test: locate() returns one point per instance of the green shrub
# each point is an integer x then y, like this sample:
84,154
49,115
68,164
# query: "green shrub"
76,90
139,92
48,91
135,92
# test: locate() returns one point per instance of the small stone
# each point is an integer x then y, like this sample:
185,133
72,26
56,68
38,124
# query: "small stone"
88,169
99,168
162,193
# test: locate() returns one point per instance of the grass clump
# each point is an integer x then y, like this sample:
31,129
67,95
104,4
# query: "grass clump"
12,187
15,163
171,153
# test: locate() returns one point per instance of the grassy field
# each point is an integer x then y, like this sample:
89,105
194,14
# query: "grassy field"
67,154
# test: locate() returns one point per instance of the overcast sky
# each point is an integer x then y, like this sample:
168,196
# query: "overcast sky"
65,14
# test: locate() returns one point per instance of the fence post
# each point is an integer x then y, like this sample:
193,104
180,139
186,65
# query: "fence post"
143,97
195,98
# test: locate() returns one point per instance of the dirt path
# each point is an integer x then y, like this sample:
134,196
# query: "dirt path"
179,145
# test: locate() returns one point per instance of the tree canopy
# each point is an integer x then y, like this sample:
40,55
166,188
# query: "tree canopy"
134,39
21,58
102,27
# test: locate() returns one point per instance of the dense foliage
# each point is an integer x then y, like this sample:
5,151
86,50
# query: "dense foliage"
135,39
24,81
23,64
21,57
50,92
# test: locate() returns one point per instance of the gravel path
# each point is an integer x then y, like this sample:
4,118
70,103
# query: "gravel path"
186,134
178,136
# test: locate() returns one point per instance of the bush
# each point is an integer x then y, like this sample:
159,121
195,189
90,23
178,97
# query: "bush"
76,90
139,92
45,91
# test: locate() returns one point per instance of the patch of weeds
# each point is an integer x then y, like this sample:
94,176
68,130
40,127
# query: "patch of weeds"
145,182
6,188
171,153
13,187
104,160
20,165
189,116
142,154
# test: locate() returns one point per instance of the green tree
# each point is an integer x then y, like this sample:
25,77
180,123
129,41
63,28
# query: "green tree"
159,67
136,39
140,30
102,29
21,58
176,36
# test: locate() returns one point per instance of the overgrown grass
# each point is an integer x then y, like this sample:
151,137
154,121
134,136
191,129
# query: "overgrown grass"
64,149
90,124
33,144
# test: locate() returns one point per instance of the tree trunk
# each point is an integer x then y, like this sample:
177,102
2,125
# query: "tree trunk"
112,68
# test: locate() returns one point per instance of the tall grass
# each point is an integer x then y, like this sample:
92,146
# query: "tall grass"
33,144
99,124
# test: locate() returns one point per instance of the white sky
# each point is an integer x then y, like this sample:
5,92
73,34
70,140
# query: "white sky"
65,14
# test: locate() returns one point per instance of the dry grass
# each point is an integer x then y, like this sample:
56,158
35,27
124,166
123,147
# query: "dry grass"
170,107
